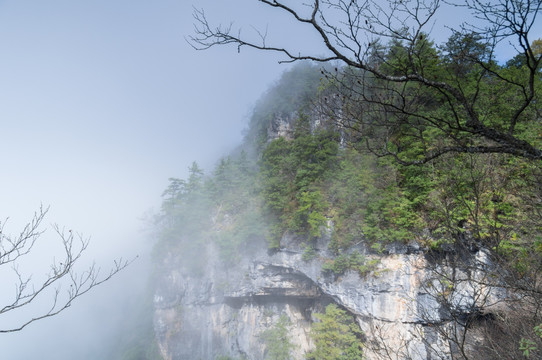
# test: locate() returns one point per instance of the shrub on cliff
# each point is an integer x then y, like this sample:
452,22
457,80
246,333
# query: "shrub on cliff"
336,336
277,340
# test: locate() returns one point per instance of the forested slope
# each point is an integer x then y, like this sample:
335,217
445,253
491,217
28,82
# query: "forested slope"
346,197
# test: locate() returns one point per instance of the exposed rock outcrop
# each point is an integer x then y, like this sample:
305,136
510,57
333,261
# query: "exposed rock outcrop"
224,310
409,306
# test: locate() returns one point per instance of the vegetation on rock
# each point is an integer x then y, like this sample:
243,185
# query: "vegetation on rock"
320,181
336,336
278,341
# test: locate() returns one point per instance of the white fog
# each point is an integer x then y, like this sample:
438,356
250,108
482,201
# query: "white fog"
100,103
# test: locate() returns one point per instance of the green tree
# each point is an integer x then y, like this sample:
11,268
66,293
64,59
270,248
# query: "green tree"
185,217
278,341
309,215
292,171
348,30
336,336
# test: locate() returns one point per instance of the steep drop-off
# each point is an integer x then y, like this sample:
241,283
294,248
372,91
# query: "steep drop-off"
225,310
299,221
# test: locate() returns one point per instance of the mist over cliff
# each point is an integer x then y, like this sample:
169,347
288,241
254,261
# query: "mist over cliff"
389,207
301,235
101,102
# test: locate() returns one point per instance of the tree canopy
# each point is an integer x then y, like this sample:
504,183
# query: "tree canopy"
407,97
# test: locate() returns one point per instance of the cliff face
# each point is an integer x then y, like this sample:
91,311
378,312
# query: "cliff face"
411,300
224,311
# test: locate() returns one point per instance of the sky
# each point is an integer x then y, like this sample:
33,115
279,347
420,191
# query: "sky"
100,103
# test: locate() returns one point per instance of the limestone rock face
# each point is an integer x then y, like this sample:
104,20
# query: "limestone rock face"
324,113
224,310
281,126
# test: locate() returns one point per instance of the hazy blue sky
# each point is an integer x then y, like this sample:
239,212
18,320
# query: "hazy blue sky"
100,103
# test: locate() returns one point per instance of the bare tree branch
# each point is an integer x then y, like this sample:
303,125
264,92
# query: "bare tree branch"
350,31
62,284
